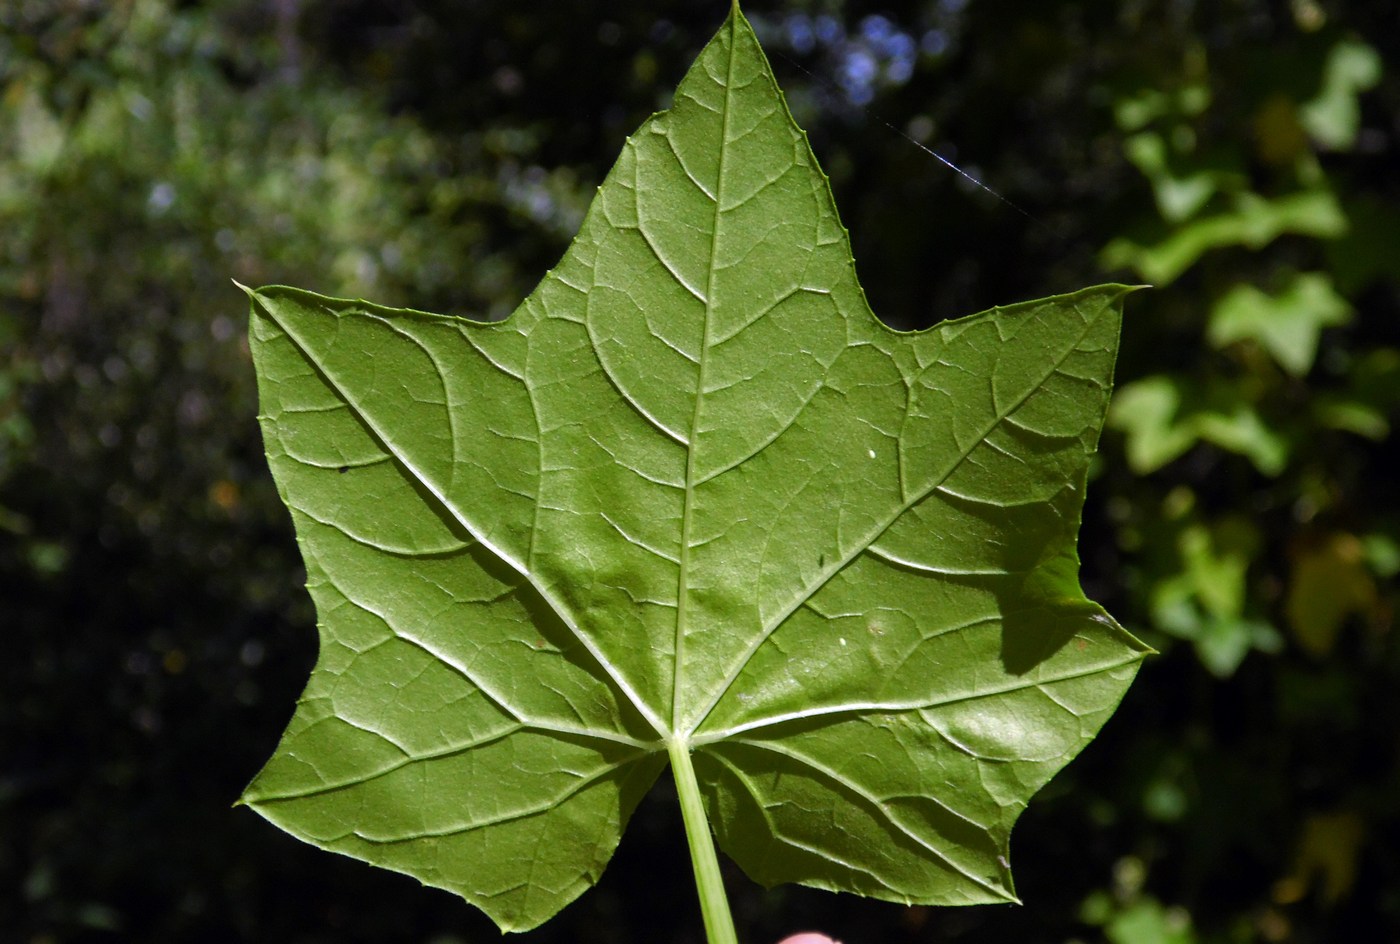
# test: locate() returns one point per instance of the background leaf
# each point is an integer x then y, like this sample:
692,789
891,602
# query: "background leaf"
1287,324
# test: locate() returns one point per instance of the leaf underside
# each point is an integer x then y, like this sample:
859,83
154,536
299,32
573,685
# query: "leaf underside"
692,489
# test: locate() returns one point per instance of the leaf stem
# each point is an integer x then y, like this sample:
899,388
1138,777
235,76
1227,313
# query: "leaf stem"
714,905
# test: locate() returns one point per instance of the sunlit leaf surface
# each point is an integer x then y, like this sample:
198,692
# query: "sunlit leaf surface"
692,490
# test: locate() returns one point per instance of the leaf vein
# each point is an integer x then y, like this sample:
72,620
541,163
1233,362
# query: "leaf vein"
882,809
509,816
824,576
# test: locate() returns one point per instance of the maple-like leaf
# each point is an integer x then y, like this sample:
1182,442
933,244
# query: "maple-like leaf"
691,502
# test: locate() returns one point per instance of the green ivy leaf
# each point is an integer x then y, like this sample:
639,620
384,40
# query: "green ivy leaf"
1252,221
1333,116
1164,415
1181,187
691,496
1288,325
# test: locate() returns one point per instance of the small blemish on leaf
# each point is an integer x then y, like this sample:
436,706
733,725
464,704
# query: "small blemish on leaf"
343,469
843,640
870,453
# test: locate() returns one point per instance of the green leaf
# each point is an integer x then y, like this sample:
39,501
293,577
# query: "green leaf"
1164,415
1136,111
1150,413
1146,921
1333,116
1204,601
1330,583
694,497
1253,222
1180,191
1287,324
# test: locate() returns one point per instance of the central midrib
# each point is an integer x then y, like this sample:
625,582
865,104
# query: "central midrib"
687,514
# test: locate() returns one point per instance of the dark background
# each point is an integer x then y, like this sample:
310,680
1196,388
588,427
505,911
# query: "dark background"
1244,518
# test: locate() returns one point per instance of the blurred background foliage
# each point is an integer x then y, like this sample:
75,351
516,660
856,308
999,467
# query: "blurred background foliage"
1242,157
